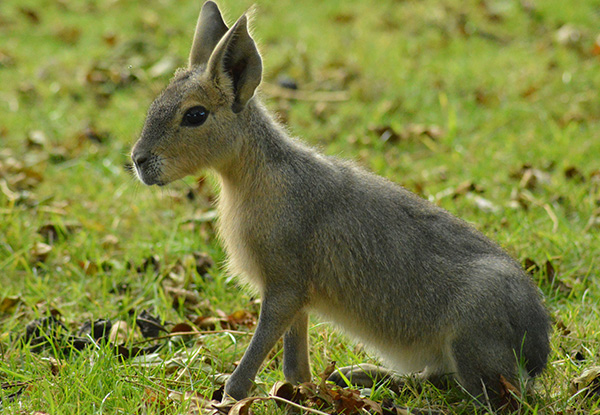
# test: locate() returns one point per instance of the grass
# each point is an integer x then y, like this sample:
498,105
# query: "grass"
507,92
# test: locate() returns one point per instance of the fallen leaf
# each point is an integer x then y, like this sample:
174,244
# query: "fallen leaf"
69,35
573,173
30,14
509,395
149,325
588,383
180,296
40,251
568,35
8,304
37,139
596,46
182,328
241,318
100,330
530,266
163,67
119,332
242,407
347,401
153,262
387,133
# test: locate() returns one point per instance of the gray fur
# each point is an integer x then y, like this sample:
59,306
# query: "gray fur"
315,234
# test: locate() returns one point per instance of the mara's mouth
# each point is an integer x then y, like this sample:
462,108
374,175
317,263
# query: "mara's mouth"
148,177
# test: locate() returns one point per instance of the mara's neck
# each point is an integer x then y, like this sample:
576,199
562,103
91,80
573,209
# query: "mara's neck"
261,146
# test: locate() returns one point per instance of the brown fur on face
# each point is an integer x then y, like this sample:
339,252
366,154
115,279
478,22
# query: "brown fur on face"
175,151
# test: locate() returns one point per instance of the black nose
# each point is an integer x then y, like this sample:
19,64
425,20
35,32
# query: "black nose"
140,158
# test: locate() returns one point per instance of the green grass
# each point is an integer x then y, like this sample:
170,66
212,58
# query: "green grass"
492,75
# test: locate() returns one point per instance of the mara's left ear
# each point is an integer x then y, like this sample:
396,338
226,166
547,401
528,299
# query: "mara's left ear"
209,30
235,63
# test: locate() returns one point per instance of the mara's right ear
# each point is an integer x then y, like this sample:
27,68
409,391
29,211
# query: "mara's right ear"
209,30
236,64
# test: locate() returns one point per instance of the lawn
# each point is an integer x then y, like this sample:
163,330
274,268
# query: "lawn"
488,108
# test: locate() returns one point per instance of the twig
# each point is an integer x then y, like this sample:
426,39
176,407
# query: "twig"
283,400
189,333
300,95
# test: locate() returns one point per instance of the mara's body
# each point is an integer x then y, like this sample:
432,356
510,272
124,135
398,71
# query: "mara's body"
316,234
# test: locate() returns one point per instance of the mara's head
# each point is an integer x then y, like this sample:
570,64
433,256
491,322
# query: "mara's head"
194,122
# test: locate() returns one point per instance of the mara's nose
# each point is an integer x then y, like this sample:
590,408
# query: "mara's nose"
139,158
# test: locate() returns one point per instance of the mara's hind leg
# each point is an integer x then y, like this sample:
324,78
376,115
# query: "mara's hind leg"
480,364
366,375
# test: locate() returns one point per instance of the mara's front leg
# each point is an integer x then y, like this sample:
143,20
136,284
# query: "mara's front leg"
280,306
296,364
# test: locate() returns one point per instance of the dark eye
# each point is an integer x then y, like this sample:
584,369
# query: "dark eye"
194,117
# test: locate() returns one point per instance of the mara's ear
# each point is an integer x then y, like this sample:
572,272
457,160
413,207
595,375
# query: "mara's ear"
236,63
209,30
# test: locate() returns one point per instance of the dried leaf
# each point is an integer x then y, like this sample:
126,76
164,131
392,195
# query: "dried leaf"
530,266
37,139
8,304
30,14
69,35
181,296
588,383
596,47
347,401
510,395
99,330
573,173
119,332
242,407
182,328
163,67
241,318
284,390
40,251
568,35
110,241
329,369
149,325
387,133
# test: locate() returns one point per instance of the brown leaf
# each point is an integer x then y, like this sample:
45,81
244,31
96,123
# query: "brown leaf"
466,187
562,327
149,325
242,407
207,322
109,241
509,395
8,304
40,251
573,173
181,296
241,318
182,328
119,332
329,369
69,35
550,272
588,383
387,133
110,39
596,47
347,401
30,14
284,390
37,139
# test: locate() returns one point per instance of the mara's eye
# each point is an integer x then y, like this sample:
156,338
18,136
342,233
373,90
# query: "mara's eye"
194,117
